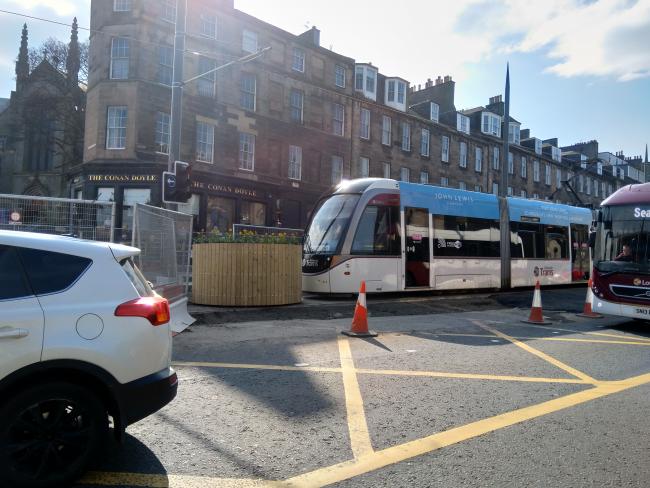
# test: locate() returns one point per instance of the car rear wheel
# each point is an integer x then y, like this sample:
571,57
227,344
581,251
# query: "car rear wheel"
49,434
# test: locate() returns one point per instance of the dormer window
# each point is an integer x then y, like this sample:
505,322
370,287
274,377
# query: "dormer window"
395,94
434,111
462,123
538,146
599,168
365,81
556,153
514,133
491,124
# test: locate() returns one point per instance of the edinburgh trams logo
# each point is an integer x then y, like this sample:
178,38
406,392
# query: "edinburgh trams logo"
443,243
539,271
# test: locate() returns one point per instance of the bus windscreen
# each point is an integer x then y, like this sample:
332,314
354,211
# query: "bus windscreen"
329,224
623,244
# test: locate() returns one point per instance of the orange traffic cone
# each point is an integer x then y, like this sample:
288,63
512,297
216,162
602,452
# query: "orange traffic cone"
360,319
536,316
587,311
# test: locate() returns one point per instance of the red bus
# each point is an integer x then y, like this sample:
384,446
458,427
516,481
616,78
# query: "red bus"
621,274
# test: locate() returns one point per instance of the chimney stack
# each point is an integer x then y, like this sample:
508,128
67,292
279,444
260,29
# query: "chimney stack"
315,36
439,80
496,99
447,79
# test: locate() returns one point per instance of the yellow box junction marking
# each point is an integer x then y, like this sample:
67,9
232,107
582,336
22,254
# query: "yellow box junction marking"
357,425
366,459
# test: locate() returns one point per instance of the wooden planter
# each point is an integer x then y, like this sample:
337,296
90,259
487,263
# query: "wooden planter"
244,275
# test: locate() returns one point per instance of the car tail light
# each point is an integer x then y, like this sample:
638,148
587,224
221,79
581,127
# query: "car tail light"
154,309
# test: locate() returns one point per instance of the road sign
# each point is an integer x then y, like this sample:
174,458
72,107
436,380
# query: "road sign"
169,187
14,217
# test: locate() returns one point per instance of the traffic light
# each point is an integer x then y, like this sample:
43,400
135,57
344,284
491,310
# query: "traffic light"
183,183
177,187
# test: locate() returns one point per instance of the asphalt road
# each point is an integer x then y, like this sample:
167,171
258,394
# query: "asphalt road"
455,391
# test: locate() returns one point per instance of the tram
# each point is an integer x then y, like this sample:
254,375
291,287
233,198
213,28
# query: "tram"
400,236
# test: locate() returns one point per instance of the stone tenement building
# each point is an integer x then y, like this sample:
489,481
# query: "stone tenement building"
266,138
41,127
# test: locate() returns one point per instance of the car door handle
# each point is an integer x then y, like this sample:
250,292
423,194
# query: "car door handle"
13,333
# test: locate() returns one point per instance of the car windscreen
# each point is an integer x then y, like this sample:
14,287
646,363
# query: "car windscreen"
137,279
329,224
623,241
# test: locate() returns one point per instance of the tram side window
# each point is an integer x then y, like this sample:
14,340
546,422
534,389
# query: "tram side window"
537,241
465,237
378,232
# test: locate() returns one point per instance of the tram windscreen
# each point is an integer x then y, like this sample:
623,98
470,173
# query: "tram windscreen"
329,224
623,240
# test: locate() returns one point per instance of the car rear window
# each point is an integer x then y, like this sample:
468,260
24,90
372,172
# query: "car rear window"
12,278
135,276
52,272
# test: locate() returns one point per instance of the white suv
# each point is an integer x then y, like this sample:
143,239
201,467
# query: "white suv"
83,338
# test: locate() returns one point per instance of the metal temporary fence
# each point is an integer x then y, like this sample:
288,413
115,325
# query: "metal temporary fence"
86,219
237,229
165,240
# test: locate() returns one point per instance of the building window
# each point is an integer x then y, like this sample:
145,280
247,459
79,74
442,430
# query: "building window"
424,142
558,177
424,177
556,153
462,185
168,10
121,5
298,60
365,124
538,146
405,174
364,167
209,26
536,196
604,189
478,188
514,134
116,127
204,142
165,65
595,188
337,169
535,170
338,119
444,153
524,167
588,186
462,123
297,102
491,124
119,58
406,136
385,130
524,194
462,160
495,158
365,80
444,181
395,93
247,95
599,168
511,164
495,188
478,161
205,84
295,162
246,151
509,191
249,41
339,76
386,170
434,111
162,133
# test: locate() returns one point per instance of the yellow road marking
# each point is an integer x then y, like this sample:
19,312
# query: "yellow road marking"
273,367
539,354
604,334
471,376
357,425
172,481
558,339
387,372
408,450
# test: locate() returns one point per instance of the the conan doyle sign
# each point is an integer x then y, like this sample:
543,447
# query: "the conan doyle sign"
123,178
235,190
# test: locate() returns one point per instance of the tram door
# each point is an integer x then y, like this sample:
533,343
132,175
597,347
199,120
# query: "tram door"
580,266
416,221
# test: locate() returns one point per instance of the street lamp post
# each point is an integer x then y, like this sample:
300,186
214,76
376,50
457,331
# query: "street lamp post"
177,84
503,190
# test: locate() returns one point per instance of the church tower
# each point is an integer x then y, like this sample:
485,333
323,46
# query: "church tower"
73,62
22,64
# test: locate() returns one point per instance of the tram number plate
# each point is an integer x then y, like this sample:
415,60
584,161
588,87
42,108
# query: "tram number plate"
642,311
